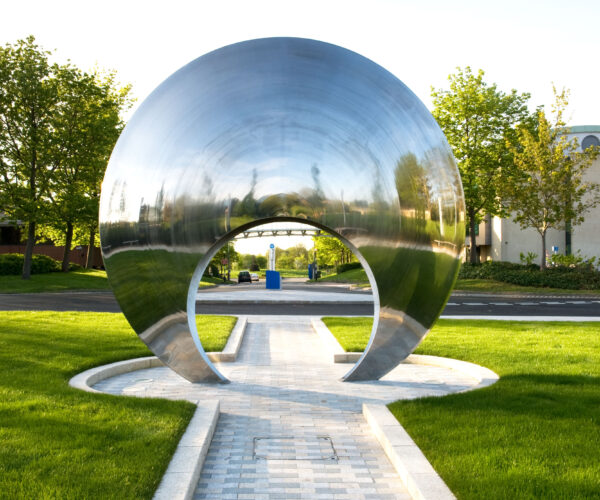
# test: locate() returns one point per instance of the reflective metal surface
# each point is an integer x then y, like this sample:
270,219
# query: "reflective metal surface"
281,129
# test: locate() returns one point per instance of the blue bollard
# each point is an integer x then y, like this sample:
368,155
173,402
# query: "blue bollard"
273,280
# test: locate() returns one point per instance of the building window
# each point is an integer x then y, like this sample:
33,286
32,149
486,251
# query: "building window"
589,140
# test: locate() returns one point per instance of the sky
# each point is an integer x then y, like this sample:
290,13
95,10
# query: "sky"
528,45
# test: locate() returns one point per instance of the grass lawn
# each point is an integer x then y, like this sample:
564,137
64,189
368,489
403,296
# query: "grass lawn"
210,281
533,434
92,279
59,442
357,276
86,279
286,273
352,333
491,286
214,331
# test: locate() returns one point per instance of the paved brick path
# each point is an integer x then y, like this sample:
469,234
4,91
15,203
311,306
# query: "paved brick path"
289,428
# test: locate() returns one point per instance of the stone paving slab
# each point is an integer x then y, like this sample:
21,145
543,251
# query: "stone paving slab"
284,385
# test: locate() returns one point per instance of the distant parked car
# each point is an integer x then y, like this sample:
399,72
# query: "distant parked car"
254,276
244,276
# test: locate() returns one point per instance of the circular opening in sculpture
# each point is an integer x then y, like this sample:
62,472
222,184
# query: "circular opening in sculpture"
286,226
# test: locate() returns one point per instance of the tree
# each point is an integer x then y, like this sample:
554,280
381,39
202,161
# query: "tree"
224,258
477,120
295,257
331,251
547,189
58,126
28,98
86,125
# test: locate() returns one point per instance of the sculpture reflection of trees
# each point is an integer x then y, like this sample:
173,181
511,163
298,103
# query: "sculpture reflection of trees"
332,252
247,206
413,191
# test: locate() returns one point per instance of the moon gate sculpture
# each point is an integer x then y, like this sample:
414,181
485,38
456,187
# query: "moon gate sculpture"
281,129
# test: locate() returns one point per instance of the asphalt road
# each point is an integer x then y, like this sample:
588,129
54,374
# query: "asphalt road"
60,301
522,305
460,304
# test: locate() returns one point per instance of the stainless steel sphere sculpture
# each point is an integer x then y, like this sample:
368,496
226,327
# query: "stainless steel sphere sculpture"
281,129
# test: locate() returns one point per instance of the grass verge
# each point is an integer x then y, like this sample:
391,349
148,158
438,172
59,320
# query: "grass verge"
357,276
210,281
352,333
214,331
286,273
60,442
86,279
533,434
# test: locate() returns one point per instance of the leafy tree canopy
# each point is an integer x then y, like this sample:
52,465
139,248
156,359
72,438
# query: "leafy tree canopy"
477,120
58,126
548,188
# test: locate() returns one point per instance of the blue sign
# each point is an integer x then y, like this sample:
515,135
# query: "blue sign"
271,245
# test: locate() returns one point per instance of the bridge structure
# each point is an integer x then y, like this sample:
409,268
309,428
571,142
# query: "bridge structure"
258,233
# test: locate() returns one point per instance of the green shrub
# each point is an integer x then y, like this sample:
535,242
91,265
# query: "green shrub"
211,271
573,260
346,267
584,277
43,264
12,263
528,259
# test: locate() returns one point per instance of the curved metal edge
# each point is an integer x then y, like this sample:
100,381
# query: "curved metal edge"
191,312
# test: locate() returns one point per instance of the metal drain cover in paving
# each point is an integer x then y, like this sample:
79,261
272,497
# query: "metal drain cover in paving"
294,448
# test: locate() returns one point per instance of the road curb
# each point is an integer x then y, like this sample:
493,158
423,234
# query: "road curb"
524,295
232,348
573,319
283,302
332,344
85,380
183,472
419,477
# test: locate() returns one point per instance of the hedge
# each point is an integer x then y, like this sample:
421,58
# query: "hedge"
12,263
346,267
573,278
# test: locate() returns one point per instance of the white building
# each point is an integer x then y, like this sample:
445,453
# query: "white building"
504,240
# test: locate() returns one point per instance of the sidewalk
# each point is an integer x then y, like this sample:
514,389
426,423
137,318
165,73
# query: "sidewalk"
289,428
262,295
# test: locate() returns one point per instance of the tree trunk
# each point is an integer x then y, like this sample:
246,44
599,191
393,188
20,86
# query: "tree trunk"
67,252
543,264
89,261
29,250
473,257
